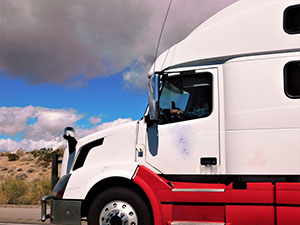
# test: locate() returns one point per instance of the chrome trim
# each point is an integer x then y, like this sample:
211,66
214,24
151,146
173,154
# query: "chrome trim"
224,59
197,190
121,211
196,223
44,215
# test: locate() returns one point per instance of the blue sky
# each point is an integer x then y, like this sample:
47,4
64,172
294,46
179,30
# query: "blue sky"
104,96
82,63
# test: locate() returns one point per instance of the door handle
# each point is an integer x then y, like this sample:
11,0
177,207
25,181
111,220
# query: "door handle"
206,161
140,150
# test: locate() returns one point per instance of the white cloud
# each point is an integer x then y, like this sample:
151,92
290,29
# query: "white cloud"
46,130
13,119
95,120
136,76
49,124
8,145
70,41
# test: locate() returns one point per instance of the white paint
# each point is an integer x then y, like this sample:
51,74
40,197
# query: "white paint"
115,157
85,178
262,125
247,26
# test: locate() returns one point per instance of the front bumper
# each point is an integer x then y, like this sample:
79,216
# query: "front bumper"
62,211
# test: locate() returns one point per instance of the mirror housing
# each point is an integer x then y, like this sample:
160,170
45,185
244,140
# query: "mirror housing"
153,96
69,135
69,132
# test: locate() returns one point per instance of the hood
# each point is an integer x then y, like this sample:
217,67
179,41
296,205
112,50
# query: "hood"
112,145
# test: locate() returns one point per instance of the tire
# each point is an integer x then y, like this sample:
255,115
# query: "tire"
119,206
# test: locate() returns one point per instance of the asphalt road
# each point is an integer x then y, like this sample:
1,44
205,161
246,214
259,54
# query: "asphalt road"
17,224
20,215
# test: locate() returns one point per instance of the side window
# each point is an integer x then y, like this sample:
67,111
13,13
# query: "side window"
292,79
291,20
185,97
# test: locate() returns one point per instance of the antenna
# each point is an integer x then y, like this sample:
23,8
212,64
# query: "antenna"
160,35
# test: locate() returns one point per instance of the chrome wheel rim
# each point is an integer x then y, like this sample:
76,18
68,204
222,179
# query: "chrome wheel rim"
118,213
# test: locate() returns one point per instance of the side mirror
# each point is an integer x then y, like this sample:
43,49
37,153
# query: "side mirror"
153,92
69,132
69,135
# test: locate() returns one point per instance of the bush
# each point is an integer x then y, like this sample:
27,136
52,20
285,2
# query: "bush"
44,164
15,191
46,154
60,151
38,189
4,154
20,152
35,153
13,157
3,199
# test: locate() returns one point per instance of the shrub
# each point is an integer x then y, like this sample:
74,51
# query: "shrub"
35,153
44,164
60,151
20,152
38,189
15,191
3,199
13,157
4,154
46,154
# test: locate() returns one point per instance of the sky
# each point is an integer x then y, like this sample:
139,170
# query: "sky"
82,63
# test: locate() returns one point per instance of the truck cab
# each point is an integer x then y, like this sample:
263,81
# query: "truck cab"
219,142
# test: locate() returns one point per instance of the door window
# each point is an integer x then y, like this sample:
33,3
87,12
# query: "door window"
185,97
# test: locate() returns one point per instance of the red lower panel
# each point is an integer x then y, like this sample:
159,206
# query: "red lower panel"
193,197
288,193
255,193
198,213
166,213
253,205
250,215
288,215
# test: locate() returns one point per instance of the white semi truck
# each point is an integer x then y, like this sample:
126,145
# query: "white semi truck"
219,143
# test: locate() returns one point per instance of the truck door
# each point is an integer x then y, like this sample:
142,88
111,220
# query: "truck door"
186,134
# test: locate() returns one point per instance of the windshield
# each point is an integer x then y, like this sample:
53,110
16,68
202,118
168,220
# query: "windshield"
185,97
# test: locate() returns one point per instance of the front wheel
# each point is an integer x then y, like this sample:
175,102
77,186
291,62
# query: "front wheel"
119,206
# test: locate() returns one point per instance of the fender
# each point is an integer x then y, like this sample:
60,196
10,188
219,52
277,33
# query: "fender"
150,182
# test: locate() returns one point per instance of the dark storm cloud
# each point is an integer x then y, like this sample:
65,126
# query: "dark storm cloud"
57,41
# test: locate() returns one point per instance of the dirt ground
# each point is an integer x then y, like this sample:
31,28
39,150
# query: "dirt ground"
26,168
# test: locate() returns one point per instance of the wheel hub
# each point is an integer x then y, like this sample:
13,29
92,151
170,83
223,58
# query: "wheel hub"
118,213
116,220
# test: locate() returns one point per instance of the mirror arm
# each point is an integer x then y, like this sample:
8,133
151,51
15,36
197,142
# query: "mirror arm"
148,121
